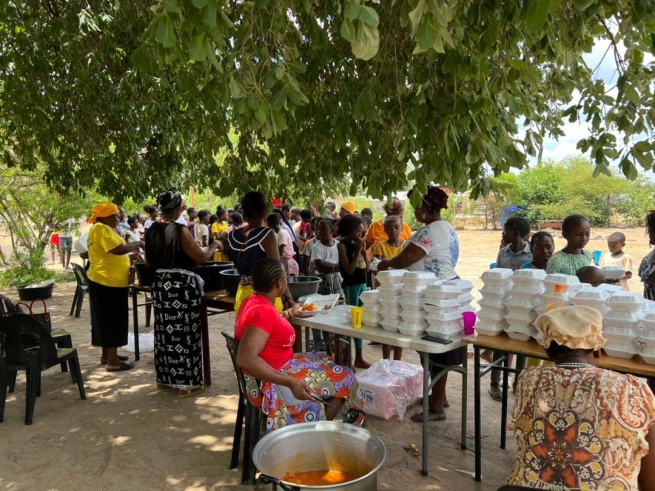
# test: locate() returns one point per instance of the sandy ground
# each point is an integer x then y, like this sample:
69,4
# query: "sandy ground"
126,435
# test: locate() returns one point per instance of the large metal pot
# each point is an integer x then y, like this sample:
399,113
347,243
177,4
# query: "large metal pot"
210,272
301,286
321,445
231,280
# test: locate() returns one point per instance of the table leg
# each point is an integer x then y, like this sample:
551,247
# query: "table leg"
135,319
425,358
307,332
464,396
297,344
477,410
503,414
204,331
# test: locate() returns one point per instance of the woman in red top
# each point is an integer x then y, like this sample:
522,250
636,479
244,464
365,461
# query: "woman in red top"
266,354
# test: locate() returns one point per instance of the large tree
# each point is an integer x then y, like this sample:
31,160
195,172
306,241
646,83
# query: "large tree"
318,92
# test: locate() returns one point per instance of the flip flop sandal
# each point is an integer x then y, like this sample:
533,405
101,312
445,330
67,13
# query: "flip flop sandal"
123,368
496,395
120,358
432,416
191,392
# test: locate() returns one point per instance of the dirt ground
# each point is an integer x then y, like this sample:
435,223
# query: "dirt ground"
126,435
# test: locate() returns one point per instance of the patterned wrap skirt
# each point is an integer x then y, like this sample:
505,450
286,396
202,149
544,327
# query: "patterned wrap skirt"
324,377
176,294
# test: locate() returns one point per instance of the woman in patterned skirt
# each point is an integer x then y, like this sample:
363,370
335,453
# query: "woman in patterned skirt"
290,384
172,254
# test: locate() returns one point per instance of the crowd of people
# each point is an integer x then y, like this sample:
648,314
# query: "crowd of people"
269,246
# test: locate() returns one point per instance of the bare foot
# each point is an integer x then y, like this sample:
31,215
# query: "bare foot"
361,364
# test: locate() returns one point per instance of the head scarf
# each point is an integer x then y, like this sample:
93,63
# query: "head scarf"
349,206
435,199
577,327
395,207
169,200
103,210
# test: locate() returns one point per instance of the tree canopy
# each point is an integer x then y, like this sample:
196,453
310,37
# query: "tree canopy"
316,93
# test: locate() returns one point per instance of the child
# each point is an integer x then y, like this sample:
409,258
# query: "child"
284,245
576,231
325,257
517,251
590,275
542,247
616,257
54,244
393,227
219,231
309,243
353,266
201,228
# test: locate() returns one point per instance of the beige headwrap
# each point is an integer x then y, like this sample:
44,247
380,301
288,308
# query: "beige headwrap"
577,327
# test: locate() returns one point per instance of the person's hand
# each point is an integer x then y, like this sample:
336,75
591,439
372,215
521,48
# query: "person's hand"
301,390
382,265
288,302
295,311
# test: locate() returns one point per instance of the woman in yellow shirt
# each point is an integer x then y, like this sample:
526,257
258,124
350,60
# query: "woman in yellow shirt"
218,229
108,280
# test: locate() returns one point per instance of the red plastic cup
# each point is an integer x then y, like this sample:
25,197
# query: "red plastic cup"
469,322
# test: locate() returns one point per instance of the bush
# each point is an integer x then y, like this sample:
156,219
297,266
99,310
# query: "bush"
28,267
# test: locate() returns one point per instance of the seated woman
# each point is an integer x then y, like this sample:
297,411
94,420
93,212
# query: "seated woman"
578,426
266,354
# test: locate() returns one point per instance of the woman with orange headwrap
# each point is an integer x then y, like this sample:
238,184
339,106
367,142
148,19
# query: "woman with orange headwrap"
108,281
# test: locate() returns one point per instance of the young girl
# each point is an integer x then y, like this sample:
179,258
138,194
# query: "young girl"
219,231
284,244
576,231
542,246
353,266
325,257
517,251
393,227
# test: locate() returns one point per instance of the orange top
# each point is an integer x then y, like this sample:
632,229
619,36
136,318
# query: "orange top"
377,234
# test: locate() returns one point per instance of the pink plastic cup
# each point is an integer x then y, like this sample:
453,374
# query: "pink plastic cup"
469,322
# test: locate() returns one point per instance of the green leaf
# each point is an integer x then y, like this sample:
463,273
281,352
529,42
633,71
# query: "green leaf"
199,3
198,47
536,15
368,47
235,88
426,35
297,66
416,15
279,100
260,113
164,32
351,11
369,16
209,15
170,6
348,31
583,4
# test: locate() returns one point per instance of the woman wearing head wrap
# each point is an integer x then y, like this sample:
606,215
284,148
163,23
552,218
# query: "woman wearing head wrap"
435,249
578,426
108,285
376,231
172,254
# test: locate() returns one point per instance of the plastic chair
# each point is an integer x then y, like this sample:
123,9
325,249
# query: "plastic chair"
81,290
253,420
30,347
3,378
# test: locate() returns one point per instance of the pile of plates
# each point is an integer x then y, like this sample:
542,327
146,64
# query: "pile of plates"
444,309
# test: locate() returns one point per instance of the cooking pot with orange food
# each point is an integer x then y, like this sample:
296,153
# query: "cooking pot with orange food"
324,455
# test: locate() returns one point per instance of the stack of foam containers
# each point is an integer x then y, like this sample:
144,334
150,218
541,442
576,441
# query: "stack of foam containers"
389,298
411,301
491,316
466,296
444,316
622,322
371,316
647,337
522,303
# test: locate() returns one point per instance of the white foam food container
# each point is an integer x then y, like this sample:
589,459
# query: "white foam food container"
411,303
649,304
465,285
371,323
529,276
591,293
517,325
446,330
625,301
390,276
539,337
490,329
441,291
611,288
648,320
369,297
372,307
527,292
563,279
490,315
467,308
522,316
324,303
413,315
391,289
648,358
367,315
391,317
623,319
624,351
391,326
412,292
488,291
613,272
413,329
442,317
441,305
595,304
496,276
418,278
648,338
492,303
518,336
389,303
465,298
518,304
620,334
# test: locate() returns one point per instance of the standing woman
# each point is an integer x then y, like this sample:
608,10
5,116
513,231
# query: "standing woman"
647,266
434,248
108,285
218,229
245,246
172,254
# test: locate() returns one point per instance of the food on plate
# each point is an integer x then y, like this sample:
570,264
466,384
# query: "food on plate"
310,307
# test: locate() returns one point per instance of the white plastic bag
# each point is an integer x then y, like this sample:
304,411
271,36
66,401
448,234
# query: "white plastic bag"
146,342
390,387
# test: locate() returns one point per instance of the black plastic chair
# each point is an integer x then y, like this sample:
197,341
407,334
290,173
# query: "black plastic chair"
3,378
253,420
30,347
81,290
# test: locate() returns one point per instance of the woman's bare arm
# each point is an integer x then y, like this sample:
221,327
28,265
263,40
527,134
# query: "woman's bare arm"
406,258
193,250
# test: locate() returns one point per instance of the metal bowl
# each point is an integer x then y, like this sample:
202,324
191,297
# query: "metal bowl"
300,286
